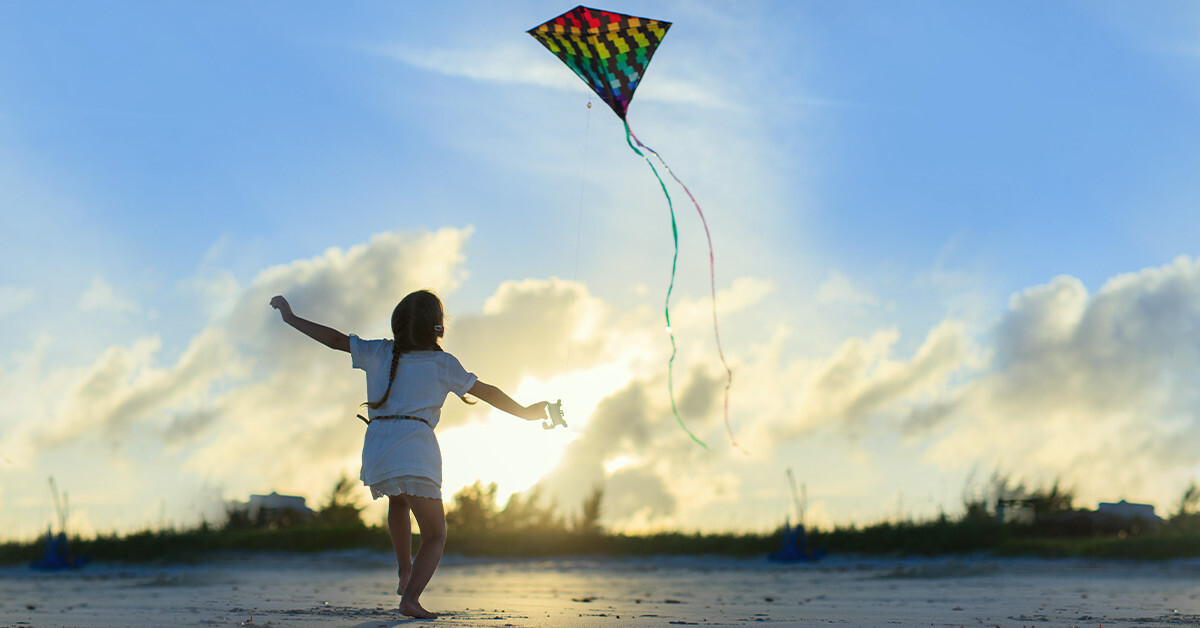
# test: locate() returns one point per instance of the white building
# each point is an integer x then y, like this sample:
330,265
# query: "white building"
273,508
1125,511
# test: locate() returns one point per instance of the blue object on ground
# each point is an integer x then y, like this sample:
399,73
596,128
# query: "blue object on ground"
795,546
57,555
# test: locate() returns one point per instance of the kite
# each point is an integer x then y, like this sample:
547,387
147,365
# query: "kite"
610,52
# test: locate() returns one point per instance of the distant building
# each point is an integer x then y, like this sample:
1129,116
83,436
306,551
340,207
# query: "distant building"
272,510
1125,511
1109,518
1018,511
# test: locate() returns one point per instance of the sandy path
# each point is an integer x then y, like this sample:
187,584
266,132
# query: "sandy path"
352,589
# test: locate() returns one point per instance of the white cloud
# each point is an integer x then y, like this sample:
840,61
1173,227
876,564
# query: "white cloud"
1095,390
248,404
837,288
1098,390
100,296
529,64
252,405
14,299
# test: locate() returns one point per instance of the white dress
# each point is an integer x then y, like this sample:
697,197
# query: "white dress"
402,456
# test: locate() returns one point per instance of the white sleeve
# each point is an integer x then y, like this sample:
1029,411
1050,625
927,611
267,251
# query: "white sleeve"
456,378
364,353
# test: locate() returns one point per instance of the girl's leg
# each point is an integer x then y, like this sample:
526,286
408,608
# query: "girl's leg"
431,519
400,529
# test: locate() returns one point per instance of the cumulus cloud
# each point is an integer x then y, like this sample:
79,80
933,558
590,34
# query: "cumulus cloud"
252,405
1097,390
1094,389
532,328
634,448
247,397
299,402
126,387
863,385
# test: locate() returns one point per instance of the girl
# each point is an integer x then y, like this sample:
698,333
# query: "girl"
408,377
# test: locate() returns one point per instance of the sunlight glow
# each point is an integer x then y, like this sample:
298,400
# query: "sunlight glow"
618,463
515,454
506,450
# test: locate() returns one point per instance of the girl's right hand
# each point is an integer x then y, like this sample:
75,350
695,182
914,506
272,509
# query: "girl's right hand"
281,304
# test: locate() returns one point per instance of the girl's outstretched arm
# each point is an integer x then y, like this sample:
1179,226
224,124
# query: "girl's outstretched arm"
327,336
501,401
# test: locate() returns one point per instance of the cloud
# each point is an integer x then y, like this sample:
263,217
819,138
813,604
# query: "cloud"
100,296
1096,390
252,405
837,288
862,386
300,400
633,447
14,299
530,328
637,493
125,387
531,65
245,385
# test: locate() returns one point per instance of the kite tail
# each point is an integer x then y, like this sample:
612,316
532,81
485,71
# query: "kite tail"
712,281
670,287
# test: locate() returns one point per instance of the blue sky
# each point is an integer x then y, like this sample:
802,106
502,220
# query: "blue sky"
920,210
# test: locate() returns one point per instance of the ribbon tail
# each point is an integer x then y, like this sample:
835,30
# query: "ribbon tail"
712,276
629,137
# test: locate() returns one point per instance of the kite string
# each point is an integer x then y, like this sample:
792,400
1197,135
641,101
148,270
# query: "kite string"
579,231
670,287
712,281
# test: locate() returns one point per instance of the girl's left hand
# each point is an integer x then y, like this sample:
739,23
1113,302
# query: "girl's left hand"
536,412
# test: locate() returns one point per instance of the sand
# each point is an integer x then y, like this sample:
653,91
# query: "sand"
357,589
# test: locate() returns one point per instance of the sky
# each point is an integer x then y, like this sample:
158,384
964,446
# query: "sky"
951,241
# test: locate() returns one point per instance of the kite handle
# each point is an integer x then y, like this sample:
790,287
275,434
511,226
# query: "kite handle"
554,415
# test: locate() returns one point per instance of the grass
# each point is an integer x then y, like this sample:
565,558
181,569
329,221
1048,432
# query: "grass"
173,545
932,538
525,528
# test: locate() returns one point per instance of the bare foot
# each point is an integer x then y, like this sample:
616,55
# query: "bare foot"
413,609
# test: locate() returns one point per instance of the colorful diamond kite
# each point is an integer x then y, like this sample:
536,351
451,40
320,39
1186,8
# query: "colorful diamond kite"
609,51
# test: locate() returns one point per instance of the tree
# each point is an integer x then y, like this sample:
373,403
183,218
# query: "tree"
342,507
1189,504
474,509
523,512
589,517
1052,500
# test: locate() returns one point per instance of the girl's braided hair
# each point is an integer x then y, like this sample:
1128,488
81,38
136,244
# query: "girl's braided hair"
416,326
414,323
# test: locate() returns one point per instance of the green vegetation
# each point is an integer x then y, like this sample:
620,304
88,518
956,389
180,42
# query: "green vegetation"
525,527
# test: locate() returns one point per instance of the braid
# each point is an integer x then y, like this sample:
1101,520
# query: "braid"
413,323
374,405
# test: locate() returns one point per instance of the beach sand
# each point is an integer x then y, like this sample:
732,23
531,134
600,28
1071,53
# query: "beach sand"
357,589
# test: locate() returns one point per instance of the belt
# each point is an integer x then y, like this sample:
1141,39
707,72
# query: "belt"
398,417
